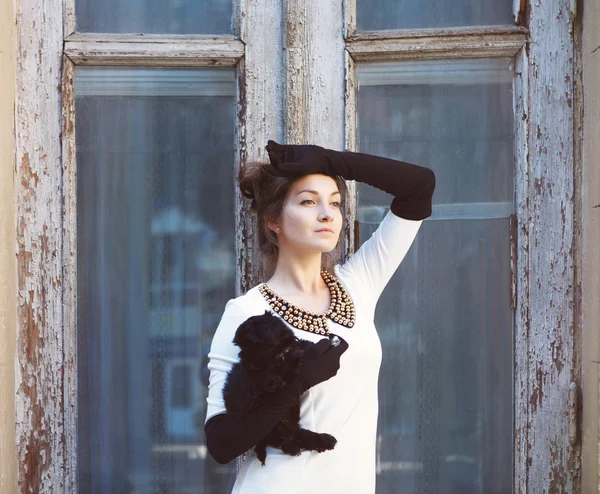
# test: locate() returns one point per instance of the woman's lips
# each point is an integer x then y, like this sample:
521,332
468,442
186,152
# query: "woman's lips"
324,230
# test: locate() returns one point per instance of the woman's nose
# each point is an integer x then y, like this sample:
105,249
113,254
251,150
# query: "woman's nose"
325,216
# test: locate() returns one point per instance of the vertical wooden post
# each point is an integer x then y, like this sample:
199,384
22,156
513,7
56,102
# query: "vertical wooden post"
40,366
69,265
259,116
545,461
314,65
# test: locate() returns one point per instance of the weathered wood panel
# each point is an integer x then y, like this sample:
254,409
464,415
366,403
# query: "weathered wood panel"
69,263
69,17
546,461
259,116
153,50
349,7
40,366
521,336
436,32
295,124
350,233
519,11
449,44
324,72
314,104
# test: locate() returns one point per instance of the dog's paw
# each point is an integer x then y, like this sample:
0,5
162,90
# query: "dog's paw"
325,442
291,448
261,454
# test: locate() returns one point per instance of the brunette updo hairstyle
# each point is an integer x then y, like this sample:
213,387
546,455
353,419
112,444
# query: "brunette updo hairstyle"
267,194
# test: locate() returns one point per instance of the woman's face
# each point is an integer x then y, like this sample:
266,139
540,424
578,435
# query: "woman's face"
311,219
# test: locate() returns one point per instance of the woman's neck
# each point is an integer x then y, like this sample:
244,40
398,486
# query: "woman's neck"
295,275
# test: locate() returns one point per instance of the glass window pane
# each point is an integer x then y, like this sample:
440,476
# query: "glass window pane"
180,387
445,320
154,17
373,15
155,267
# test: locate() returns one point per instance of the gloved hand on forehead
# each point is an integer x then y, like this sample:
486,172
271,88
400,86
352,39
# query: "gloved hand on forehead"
411,185
298,159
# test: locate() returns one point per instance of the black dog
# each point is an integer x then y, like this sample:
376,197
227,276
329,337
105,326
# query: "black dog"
269,358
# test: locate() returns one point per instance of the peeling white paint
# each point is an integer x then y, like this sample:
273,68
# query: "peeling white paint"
69,262
39,378
259,117
148,50
438,44
545,330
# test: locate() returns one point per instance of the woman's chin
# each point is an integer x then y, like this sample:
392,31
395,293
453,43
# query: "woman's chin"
328,248
321,248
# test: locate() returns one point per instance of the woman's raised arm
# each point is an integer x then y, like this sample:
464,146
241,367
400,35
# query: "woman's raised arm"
412,186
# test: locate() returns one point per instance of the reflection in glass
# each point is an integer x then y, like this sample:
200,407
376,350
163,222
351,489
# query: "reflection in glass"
154,16
445,319
373,15
155,266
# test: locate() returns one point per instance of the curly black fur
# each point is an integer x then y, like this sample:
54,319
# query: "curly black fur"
269,358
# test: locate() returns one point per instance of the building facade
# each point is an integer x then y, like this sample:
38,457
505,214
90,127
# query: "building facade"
122,234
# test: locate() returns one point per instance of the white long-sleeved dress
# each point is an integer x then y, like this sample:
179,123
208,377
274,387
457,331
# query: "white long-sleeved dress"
346,405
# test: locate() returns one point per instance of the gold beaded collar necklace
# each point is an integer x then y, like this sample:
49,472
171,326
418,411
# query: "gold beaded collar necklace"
341,308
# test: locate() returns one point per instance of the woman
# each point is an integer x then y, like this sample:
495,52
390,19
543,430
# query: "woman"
299,201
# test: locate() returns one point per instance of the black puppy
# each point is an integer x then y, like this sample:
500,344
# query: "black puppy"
269,358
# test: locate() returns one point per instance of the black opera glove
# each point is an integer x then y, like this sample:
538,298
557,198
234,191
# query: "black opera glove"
298,159
321,361
411,185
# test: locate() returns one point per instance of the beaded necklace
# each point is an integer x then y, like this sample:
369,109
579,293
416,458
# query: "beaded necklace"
341,308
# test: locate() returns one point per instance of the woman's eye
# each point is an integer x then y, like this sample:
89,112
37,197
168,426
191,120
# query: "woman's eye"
335,204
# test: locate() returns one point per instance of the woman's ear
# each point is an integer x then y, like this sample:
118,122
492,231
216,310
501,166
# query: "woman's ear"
274,227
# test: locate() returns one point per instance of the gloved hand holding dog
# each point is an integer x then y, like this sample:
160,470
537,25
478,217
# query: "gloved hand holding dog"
274,369
321,362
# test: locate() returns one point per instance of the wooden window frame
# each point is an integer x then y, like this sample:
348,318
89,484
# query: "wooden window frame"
546,373
316,103
46,378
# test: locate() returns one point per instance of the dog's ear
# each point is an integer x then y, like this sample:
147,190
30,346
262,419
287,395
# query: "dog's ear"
263,330
248,333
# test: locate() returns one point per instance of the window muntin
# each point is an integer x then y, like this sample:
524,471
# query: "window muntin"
155,266
445,319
